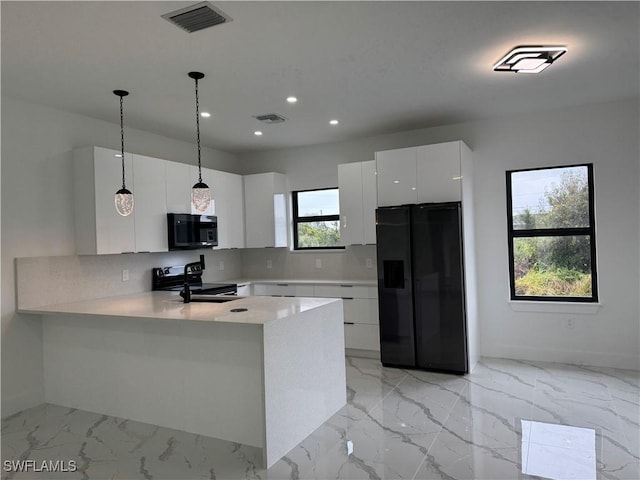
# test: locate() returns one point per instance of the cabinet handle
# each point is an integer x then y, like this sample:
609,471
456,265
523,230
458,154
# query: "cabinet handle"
144,251
347,286
349,323
347,298
282,284
128,252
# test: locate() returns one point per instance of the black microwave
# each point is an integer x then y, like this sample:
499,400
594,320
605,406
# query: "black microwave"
188,232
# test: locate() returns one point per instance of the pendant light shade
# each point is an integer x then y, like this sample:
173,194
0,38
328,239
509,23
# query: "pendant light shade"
200,192
124,197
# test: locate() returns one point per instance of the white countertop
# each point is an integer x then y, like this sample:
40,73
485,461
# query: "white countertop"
169,306
367,283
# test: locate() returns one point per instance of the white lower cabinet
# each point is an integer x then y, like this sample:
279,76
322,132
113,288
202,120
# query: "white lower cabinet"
283,289
360,303
361,337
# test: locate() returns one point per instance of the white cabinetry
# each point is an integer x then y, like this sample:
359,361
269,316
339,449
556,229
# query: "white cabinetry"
179,183
358,200
360,304
150,212
97,175
438,172
425,174
397,176
265,210
227,203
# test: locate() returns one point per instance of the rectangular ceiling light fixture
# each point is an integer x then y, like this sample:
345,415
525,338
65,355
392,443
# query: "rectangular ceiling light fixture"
529,59
197,17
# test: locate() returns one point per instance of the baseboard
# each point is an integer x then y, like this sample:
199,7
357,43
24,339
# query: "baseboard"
356,352
23,401
575,357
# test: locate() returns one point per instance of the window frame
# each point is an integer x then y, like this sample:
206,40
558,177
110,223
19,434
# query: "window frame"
589,231
315,218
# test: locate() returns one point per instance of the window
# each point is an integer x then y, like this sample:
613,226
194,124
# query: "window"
552,237
316,217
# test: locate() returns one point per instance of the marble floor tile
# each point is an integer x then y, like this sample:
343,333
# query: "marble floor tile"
397,424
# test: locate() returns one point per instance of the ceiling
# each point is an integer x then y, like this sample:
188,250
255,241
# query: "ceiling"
378,67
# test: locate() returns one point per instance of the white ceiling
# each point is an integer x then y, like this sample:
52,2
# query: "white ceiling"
376,66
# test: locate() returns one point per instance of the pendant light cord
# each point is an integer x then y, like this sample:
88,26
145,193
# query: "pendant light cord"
122,140
198,133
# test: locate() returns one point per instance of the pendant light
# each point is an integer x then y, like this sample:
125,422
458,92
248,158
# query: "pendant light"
200,192
124,197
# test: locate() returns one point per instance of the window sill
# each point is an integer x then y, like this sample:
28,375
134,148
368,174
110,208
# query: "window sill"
555,307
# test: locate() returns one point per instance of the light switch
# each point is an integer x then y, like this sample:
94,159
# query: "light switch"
369,263
269,264
318,263
125,275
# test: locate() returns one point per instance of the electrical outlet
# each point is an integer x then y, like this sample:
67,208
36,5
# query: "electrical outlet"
569,323
221,265
318,263
269,264
125,275
369,263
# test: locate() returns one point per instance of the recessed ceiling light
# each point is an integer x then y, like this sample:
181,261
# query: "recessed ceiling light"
257,133
205,114
529,59
119,155
396,181
292,99
333,122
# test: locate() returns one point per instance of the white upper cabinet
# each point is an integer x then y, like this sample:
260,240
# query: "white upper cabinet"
351,216
180,178
369,201
358,200
150,192
99,228
396,176
438,173
265,210
228,205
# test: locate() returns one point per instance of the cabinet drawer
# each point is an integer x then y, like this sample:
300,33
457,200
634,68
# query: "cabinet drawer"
345,291
363,337
361,310
283,289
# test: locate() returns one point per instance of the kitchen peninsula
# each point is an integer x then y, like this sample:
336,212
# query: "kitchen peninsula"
261,371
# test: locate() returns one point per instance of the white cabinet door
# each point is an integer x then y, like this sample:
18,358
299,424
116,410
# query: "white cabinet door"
396,177
360,310
179,182
265,210
114,233
369,202
150,212
362,337
438,172
283,289
99,227
234,196
351,213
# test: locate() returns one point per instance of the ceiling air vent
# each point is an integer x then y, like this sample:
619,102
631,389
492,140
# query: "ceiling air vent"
270,118
197,17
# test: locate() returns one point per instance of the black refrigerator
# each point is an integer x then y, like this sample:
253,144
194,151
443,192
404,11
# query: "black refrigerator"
421,287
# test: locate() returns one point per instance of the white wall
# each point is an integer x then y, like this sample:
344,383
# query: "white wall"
37,215
605,135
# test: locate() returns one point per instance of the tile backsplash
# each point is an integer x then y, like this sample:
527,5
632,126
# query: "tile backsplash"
349,264
52,280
